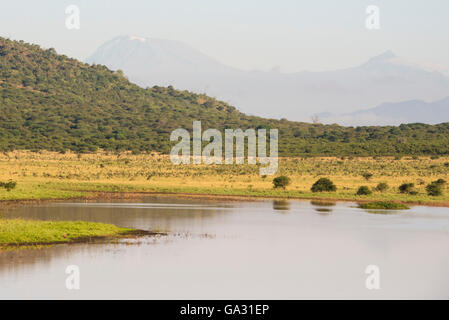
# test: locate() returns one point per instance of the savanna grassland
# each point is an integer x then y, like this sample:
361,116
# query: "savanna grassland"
99,128
52,175
88,132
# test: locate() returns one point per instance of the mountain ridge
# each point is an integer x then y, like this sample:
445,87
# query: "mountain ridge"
296,96
391,113
51,102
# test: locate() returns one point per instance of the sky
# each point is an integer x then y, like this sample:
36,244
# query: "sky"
292,35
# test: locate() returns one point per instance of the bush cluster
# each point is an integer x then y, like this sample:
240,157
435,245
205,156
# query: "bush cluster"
364,191
8,185
281,182
435,188
323,185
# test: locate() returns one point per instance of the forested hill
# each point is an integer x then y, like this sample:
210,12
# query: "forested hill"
49,101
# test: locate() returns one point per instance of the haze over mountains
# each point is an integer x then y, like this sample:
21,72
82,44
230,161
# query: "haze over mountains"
412,111
295,96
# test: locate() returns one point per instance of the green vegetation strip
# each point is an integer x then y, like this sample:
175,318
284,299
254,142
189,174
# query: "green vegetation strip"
383,205
30,232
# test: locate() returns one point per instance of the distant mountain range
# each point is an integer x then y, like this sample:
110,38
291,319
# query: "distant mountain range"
413,111
295,96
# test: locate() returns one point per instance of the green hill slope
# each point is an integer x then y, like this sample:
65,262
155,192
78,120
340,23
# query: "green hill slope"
49,101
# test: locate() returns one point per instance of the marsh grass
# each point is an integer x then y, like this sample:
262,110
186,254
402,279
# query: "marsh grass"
30,232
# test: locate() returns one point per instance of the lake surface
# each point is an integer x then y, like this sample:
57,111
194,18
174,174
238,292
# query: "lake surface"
237,250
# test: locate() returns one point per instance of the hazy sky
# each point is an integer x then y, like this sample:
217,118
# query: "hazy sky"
251,34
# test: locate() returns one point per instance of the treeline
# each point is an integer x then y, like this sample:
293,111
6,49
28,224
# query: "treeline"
49,101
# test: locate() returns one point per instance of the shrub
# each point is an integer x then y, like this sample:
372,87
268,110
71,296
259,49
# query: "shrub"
8,185
367,175
363,191
407,188
322,185
381,187
281,182
435,188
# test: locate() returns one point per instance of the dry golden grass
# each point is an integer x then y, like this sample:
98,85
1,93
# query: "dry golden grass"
47,175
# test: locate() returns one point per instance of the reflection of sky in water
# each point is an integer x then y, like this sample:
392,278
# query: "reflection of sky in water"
255,249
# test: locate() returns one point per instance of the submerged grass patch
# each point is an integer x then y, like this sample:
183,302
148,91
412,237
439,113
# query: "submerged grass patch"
29,232
383,205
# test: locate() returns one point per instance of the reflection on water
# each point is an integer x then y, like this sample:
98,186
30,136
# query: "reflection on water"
322,207
378,211
282,205
154,214
319,203
324,211
239,250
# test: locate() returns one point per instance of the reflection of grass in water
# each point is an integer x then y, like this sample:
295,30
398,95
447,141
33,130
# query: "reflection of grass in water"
323,203
384,205
379,211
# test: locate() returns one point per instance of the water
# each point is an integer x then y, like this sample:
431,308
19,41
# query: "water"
237,250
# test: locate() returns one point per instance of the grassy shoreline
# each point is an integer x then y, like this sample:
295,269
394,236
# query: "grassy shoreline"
17,233
207,194
46,176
